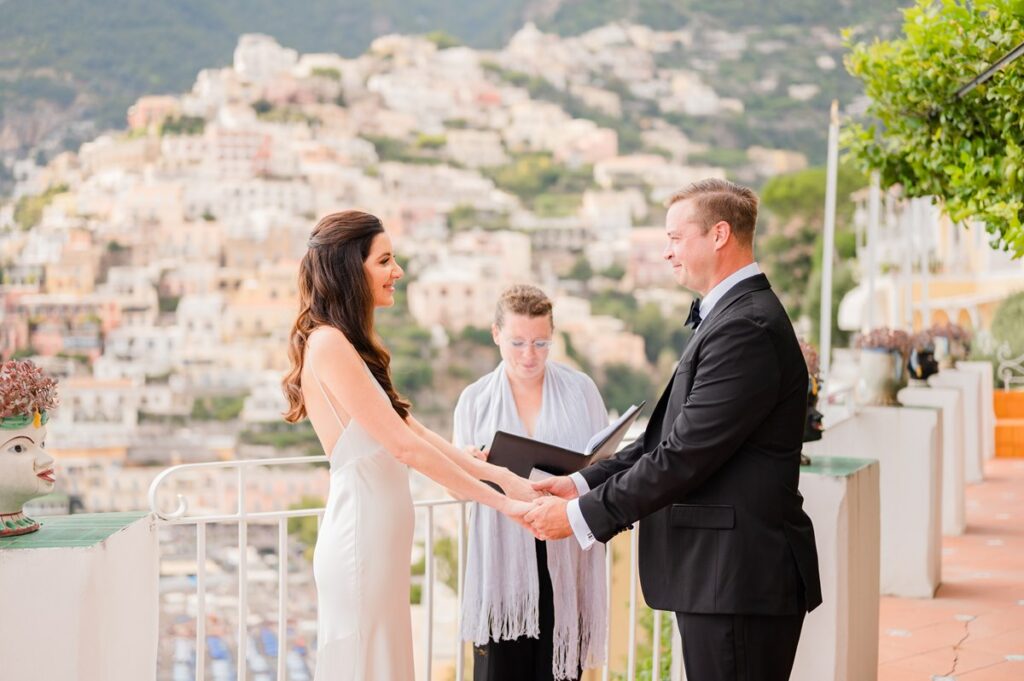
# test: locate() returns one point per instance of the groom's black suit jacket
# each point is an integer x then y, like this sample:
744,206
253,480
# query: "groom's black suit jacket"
714,477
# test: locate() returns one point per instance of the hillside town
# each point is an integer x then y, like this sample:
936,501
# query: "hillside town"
154,269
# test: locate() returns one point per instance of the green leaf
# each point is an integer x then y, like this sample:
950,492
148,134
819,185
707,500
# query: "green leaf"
965,151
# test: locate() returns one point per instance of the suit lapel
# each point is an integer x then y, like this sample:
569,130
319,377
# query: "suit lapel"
757,282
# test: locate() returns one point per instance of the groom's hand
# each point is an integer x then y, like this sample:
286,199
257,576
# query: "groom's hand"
549,518
560,486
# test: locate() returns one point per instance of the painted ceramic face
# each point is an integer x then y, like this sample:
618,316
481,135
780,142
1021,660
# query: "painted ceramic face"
26,470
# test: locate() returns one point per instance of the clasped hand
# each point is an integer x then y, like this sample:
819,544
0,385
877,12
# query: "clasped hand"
547,516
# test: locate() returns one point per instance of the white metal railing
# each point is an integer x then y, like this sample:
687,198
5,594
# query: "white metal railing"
243,518
1011,369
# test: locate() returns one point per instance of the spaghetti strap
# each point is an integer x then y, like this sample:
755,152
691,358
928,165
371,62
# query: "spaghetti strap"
326,398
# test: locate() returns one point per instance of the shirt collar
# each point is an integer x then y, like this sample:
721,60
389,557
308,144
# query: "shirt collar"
718,292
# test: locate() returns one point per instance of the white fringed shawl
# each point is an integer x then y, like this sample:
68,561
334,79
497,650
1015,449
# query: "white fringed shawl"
500,599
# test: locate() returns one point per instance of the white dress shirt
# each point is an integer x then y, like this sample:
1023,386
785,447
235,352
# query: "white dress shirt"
579,525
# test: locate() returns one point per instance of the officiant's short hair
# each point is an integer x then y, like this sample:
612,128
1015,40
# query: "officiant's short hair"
717,200
523,299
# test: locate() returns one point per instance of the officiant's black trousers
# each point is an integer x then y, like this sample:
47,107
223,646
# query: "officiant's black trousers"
739,647
523,659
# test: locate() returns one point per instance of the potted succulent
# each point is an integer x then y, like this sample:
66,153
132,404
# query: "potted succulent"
952,343
921,364
27,396
813,422
883,356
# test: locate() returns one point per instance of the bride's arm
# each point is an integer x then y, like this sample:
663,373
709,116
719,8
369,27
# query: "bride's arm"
513,485
341,370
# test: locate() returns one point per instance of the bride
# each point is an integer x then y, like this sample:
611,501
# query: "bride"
340,378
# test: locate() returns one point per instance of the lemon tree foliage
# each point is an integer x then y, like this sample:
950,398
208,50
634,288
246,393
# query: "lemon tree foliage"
965,150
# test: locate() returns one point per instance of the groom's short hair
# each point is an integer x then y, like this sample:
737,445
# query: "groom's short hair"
718,200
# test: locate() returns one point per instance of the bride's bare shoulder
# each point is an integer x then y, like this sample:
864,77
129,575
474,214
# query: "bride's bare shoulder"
327,345
326,338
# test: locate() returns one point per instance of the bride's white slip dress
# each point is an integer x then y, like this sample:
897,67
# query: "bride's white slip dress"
361,562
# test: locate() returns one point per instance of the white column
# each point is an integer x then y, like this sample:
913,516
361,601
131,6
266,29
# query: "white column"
828,247
907,270
923,219
874,208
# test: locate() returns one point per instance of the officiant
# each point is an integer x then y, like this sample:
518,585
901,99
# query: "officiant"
533,610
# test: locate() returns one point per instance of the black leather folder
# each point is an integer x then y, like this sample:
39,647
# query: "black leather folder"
521,454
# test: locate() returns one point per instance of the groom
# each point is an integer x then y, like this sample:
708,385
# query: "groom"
724,542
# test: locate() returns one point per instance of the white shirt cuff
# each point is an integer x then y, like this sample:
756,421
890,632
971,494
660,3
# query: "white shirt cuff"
579,525
581,483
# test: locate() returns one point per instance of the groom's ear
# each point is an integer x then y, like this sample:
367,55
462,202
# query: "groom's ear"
723,234
495,332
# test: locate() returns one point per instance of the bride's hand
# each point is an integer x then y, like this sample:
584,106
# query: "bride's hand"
517,510
559,486
518,488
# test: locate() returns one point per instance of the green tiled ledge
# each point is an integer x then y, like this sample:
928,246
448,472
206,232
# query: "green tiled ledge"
65,531
836,466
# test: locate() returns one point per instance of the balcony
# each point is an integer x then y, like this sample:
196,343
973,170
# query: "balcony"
189,592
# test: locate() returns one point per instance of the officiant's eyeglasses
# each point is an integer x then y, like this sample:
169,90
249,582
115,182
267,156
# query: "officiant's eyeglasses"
538,345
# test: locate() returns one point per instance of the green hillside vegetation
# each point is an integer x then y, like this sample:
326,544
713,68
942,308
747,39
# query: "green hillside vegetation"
101,55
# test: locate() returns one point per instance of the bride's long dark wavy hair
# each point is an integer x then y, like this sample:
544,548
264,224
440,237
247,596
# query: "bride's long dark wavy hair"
334,291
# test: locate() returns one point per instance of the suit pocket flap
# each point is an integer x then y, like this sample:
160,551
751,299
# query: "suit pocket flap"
703,517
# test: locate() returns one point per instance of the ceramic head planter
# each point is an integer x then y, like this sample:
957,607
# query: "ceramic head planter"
952,343
882,366
922,363
26,470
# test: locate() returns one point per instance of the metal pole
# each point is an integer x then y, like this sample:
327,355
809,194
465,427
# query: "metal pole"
428,596
874,208
828,245
1010,57
282,599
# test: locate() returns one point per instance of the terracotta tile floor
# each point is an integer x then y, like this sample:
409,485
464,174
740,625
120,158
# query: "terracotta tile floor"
974,627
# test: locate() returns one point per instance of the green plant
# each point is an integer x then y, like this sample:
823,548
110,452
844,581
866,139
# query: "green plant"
789,247
574,354
1008,324
305,528
28,211
614,271
967,150
425,141
183,125
643,667
327,72
624,386
477,336
284,436
442,39
581,270
218,408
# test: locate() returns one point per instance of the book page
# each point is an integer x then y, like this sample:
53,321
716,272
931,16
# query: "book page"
603,434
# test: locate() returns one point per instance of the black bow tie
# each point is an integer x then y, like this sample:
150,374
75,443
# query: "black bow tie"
693,319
